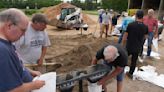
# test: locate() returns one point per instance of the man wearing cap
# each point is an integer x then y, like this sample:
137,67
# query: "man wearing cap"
134,37
33,44
112,55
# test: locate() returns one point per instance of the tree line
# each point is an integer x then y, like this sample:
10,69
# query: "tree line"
118,5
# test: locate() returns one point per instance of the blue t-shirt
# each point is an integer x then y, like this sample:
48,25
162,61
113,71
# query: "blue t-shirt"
12,72
126,21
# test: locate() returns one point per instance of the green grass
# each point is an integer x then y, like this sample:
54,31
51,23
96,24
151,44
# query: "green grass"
94,12
28,12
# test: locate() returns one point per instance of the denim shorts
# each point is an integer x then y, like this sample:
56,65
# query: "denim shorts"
120,76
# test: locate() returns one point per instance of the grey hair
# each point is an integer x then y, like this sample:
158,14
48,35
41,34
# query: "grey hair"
150,11
40,18
108,50
12,15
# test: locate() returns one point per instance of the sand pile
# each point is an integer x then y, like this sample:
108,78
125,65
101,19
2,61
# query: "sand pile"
88,20
53,11
74,52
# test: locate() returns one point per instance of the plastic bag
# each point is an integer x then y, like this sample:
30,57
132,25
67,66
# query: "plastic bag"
94,87
155,44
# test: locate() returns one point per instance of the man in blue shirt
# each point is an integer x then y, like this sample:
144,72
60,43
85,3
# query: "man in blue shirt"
14,77
125,23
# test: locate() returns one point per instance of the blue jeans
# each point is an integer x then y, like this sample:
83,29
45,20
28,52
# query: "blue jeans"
121,36
150,38
119,76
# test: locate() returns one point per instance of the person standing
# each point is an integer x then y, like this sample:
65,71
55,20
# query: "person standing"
152,24
134,37
113,56
106,21
33,44
100,12
114,21
126,20
14,77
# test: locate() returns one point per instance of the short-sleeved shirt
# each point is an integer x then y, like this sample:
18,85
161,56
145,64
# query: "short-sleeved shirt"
151,23
114,20
120,61
106,18
136,33
12,72
29,46
126,21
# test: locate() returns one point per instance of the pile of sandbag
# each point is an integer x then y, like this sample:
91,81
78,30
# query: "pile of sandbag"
53,11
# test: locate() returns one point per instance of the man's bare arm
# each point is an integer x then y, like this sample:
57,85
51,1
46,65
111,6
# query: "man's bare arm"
111,75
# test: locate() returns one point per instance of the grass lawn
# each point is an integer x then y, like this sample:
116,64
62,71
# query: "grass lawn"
94,12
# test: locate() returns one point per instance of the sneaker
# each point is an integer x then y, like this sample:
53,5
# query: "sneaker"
140,59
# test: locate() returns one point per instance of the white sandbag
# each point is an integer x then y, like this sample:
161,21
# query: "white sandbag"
126,69
149,74
155,43
94,87
159,80
50,82
135,71
153,54
116,30
119,27
146,42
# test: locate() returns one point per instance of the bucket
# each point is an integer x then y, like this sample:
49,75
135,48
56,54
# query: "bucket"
94,87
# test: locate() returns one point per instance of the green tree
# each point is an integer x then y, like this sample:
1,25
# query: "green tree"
76,2
118,5
31,3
